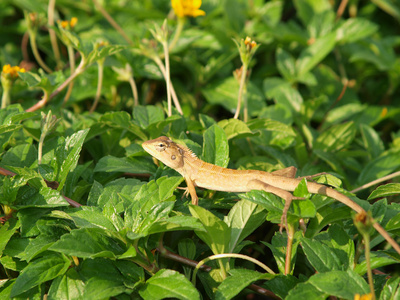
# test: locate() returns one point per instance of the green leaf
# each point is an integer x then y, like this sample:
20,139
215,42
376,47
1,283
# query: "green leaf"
69,155
68,286
278,248
342,284
168,284
391,290
103,52
90,217
45,197
355,29
243,219
235,128
215,146
314,54
225,93
139,165
175,223
39,271
146,115
122,119
378,52
46,81
321,257
104,279
306,290
342,245
9,128
12,263
271,125
378,259
386,190
336,137
89,243
307,9
274,205
381,166
207,121
217,234
7,231
282,93
143,226
23,155
157,191
286,64
282,284
234,284
156,129
371,140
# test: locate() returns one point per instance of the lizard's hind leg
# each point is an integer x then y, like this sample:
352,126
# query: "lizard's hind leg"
287,196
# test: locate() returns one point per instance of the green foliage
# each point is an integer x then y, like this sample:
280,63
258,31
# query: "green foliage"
86,213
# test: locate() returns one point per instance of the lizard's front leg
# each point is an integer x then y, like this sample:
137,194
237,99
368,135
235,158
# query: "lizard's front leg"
287,196
192,191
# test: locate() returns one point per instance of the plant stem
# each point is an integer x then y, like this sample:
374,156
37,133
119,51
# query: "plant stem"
377,181
132,83
368,261
159,63
100,73
289,249
112,22
178,31
52,34
192,263
5,98
71,57
167,77
46,98
229,255
35,52
241,88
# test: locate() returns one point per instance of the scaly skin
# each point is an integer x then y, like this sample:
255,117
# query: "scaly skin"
199,173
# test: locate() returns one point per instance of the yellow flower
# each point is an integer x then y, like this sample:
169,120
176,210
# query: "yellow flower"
12,71
69,24
188,8
363,297
73,22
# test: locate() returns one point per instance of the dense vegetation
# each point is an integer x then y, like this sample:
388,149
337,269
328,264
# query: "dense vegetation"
86,213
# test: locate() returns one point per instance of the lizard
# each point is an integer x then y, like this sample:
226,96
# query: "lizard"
198,173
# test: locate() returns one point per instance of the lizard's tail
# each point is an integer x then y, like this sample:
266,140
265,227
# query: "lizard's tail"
324,190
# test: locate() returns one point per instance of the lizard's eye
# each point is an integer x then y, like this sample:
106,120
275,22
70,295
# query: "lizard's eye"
160,147
173,157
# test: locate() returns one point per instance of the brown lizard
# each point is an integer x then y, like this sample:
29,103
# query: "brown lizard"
205,175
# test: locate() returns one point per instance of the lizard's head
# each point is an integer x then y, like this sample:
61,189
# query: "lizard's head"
166,151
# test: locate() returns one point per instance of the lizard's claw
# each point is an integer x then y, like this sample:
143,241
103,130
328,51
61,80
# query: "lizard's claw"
185,193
